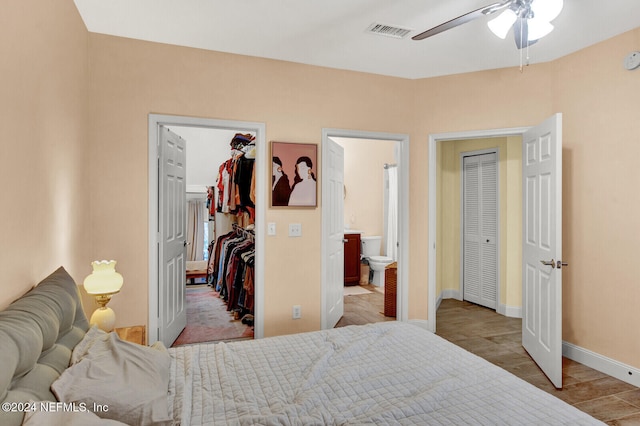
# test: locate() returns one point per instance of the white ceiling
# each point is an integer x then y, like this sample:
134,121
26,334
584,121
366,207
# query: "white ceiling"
331,33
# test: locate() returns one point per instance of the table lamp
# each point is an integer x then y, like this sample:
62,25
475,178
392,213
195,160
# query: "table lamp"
103,282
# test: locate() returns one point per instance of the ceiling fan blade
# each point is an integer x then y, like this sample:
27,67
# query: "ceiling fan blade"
521,33
462,19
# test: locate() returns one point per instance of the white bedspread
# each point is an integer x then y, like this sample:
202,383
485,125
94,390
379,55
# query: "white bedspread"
386,373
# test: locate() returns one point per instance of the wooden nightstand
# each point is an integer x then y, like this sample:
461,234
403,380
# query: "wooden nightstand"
136,334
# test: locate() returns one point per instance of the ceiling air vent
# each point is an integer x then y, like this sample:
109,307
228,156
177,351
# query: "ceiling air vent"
388,30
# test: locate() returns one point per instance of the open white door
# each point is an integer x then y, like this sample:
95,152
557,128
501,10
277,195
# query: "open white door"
172,200
542,246
333,195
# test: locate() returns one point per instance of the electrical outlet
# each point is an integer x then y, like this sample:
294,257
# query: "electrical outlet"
271,228
297,312
295,230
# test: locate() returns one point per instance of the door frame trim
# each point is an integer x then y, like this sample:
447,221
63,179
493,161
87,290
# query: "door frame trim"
496,151
402,305
156,120
434,138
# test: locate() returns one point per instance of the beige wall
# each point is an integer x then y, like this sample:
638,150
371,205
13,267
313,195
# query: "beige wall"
133,78
601,229
600,128
512,235
484,100
44,120
364,161
45,51
510,214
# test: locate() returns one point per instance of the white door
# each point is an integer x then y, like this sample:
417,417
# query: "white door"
171,251
333,193
480,229
542,246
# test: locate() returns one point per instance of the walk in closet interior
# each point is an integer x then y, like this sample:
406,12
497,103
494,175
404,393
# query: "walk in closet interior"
220,182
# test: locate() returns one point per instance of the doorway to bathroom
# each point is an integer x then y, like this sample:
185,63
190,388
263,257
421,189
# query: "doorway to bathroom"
374,200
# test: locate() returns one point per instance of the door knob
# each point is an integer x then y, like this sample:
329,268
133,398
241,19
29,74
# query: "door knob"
551,263
560,264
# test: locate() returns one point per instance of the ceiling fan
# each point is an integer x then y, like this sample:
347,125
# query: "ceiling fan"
530,19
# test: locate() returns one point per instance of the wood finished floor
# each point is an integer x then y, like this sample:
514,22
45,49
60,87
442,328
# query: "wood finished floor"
364,309
498,339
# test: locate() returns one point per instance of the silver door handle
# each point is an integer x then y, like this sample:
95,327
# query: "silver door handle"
344,240
560,264
551,263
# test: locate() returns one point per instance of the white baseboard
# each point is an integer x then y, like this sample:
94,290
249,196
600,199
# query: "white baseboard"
447,294
586,357
450,294
510,311
601,363
507,311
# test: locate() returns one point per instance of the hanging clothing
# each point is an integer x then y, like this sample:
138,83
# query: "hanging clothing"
233,275
242,180
234,186
223,186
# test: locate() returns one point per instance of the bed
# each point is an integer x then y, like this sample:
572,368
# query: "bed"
386,373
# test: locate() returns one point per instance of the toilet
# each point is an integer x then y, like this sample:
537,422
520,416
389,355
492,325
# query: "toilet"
370,250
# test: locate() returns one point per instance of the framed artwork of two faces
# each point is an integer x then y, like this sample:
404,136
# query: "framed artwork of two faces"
294,174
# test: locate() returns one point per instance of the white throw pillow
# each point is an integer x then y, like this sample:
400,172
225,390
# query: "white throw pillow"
94,334
129,381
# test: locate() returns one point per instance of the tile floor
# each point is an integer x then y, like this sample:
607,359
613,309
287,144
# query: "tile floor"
498,339
364,309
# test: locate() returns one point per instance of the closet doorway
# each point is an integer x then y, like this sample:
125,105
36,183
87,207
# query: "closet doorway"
446,211
215,309
480,243
208,146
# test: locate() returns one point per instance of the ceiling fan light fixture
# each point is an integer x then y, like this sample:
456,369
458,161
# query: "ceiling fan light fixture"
501,24
547,10
538,28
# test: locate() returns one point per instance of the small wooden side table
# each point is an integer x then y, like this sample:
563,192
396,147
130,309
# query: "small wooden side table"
136,334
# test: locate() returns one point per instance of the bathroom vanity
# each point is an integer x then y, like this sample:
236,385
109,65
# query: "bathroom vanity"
351,259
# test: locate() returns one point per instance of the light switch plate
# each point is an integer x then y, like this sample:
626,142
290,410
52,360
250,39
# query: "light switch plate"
297,312
271,228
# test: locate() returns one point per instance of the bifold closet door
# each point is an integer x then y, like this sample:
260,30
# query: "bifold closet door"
480,229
